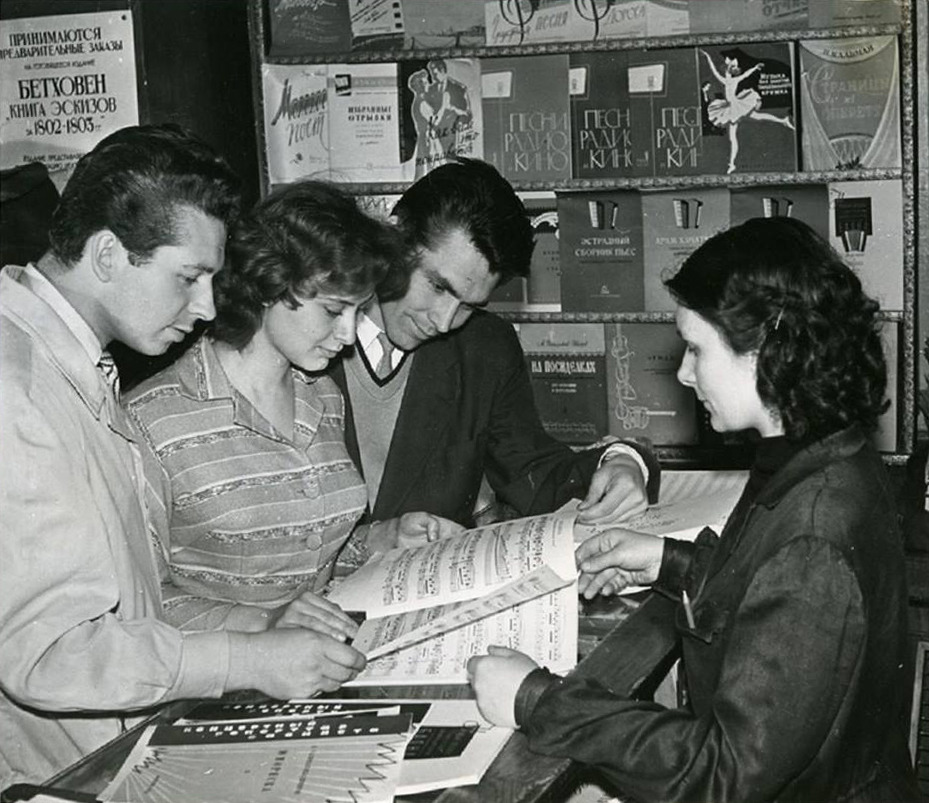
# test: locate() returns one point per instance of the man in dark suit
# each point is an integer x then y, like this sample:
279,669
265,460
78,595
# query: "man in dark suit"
437,390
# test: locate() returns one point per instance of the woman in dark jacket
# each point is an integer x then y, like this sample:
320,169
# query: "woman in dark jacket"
794,637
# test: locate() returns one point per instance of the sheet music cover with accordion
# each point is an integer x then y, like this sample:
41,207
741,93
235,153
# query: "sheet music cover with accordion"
359,750
315,760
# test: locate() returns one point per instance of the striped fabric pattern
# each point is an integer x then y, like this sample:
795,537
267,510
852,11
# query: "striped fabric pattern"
240,513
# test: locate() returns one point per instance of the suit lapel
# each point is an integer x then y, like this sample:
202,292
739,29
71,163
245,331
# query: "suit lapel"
426,414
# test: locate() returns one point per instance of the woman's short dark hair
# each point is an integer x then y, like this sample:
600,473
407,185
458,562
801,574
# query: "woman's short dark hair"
134,183
776,287
467,195
302,239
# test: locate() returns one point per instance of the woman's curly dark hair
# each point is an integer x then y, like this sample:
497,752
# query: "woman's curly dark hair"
301,239
775,287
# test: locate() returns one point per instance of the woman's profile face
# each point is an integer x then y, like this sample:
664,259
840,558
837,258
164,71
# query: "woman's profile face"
725,382
417,82
732,66
313,333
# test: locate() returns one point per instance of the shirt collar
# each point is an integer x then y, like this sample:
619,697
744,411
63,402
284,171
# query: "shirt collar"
200,375
71,318
366,332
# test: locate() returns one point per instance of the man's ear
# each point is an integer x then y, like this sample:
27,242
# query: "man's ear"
106,254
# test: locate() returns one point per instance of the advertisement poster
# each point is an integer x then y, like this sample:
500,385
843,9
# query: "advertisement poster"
65,83
296,110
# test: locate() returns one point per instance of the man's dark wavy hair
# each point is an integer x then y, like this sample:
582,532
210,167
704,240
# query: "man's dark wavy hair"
776,287
134,182
465,194
302,239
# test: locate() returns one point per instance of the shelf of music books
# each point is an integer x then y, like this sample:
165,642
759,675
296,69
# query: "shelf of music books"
633,130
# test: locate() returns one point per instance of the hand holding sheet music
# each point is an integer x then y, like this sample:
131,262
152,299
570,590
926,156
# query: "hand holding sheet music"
690,501
617,559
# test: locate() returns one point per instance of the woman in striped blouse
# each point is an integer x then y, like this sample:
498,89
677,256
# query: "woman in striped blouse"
252,494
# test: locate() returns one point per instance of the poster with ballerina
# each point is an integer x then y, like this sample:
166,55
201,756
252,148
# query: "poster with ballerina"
709,110
747,97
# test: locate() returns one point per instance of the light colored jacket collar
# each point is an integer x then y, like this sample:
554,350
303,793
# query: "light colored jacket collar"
29,299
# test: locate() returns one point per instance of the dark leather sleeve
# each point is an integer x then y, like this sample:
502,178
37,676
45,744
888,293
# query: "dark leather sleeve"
536,683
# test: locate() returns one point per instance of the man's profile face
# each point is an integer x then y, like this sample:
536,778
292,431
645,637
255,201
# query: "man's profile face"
449,282
157,302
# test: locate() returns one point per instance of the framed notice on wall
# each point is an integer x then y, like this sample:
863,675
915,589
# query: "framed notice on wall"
66,82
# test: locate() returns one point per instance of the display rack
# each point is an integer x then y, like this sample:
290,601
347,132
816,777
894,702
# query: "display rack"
904,318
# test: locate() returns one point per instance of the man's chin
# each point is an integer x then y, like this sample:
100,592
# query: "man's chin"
407,340
156,346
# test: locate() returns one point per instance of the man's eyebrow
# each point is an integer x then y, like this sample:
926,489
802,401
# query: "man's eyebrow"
335,300
439,280
210,269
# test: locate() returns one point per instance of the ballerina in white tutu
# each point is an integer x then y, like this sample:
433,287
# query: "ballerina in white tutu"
740,102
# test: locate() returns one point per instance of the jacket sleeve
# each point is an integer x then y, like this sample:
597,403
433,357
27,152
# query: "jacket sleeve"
527,468
769,714
67,643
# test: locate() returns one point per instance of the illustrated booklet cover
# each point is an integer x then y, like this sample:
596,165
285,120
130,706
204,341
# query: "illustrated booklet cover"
296,112
317,759
675,223
428,24
448,744
645,398
364,124
807,202
864,227
600,243
624,19
311,27
526,121
440,113
541,290
566,363
747,100
604,142
303,27
850,95
725,16
530,23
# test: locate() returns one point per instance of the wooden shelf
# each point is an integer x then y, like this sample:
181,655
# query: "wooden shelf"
528,316
733,181
638,43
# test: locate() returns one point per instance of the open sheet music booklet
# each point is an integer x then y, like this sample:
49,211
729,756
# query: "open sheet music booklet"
430,608
513,583
324,750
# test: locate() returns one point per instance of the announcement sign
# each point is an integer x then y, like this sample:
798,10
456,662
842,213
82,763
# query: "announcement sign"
65,83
